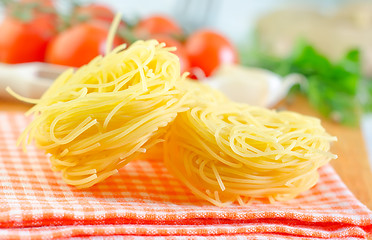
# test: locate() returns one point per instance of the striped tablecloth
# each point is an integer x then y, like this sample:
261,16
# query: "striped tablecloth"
144,201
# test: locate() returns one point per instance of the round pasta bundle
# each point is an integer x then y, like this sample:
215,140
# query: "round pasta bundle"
231,152
97,119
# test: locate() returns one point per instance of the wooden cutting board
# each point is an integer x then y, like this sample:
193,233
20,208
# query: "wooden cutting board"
352,164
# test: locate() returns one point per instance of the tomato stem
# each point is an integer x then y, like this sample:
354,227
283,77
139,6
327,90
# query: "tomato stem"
25,12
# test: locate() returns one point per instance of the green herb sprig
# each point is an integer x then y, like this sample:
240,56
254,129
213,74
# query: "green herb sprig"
333,88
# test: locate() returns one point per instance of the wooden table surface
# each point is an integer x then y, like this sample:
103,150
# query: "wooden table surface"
352,164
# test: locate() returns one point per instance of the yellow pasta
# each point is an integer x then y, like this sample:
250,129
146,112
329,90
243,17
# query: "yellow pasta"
230,152
97,119
197,94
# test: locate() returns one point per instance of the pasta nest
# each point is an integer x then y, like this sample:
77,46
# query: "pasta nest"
229,152
97,119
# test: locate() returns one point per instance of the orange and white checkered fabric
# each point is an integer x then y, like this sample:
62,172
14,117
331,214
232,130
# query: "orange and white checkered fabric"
144,201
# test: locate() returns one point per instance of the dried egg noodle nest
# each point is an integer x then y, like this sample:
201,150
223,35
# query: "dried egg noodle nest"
97,119
229,152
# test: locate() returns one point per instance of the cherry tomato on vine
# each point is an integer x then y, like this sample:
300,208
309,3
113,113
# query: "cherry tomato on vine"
43,14
79,44
157,24
25,31
43,3
207,50
94,12
22,42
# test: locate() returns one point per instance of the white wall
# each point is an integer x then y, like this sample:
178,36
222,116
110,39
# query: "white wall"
235,18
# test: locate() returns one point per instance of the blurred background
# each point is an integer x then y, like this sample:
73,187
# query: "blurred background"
321,49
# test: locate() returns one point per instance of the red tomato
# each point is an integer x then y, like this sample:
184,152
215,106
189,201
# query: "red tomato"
95,12
157,24
25,40
208,50
43,13
44,3
46,24
180,52
80,44
22,42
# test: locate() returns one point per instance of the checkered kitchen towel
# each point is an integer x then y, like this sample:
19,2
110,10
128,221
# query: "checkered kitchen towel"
144,201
